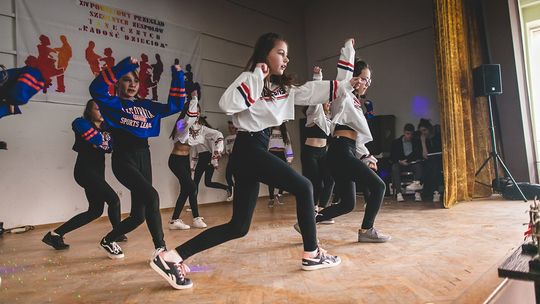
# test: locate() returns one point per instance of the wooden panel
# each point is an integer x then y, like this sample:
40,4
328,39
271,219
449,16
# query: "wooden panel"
224,51
210,98
7,7
218,74
7,33
7,60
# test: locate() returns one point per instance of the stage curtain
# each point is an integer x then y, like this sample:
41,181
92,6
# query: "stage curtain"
459,48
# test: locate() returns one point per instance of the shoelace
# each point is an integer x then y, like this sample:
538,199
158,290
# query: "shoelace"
322,252
116,248
182,268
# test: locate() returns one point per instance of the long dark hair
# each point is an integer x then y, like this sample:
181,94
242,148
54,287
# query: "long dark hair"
426,123
359,66
284,133
87,114
263,46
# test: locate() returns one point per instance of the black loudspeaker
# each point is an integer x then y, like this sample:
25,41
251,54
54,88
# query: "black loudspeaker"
382,129
487,80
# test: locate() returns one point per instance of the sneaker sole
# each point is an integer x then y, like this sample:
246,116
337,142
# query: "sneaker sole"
112,256
320,266
327,222
167,278
374,240
55,248
200,227
177,228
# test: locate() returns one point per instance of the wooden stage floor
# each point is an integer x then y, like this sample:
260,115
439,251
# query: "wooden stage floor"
435,256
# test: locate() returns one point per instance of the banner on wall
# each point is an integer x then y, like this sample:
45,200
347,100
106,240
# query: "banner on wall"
71,41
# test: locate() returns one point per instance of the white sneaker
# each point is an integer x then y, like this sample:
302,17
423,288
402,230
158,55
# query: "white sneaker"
199,223
414,186
400,198
417,197
436,197
178,225
328,222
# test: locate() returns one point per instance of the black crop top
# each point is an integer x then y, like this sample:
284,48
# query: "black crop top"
343,127
315,132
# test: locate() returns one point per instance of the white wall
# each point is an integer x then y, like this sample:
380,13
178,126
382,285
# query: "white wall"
36,173
395,37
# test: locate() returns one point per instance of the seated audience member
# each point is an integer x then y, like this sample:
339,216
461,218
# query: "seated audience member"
430,137
406,154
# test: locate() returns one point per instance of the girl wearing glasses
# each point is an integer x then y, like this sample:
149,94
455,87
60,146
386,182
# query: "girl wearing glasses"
348,157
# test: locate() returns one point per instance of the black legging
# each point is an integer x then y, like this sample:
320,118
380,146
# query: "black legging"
90,174
280,155
179,165
204,166
346,170
229,174
134,170
315,168
253,164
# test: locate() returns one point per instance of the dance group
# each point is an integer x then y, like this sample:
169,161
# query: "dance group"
260,100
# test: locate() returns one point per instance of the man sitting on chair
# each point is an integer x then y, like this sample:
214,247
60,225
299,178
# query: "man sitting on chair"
406,155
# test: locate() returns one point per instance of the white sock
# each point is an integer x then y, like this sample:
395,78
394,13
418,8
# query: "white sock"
54,233
311,254
172,256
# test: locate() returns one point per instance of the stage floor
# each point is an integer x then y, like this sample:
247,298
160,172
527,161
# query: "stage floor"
435,256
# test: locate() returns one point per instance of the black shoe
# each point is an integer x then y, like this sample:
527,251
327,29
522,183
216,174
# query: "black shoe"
122,238
113,250
55,241
174,274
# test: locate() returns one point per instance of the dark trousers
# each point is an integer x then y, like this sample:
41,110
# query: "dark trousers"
179,165
253,164
205,167
348,170
90,174
229,174
134,170
433,177
315,168
397,168
271,187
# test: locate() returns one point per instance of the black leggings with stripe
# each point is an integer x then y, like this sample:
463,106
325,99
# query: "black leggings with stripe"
134,170
179,165
205,167
271,187
347,170
315,168
90,174
253,164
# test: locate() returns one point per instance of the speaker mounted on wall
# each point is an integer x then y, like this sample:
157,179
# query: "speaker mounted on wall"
487,80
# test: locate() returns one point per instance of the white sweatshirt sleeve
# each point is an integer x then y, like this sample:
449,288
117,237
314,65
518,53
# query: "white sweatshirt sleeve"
363,154
215,140
318,92
243,92
183,125
345,65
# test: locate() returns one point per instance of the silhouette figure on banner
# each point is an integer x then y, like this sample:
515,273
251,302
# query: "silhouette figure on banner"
145,76
157,70
108,62
64,55
92,58
46,62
